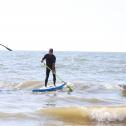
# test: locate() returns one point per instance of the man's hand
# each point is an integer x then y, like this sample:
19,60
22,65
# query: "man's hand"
53,66
42,61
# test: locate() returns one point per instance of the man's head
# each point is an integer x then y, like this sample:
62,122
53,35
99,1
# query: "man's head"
50,51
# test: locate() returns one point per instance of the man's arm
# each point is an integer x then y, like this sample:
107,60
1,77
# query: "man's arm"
53,65
43,58
54,60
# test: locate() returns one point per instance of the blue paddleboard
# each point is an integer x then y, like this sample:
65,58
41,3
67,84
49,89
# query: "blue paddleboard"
51,88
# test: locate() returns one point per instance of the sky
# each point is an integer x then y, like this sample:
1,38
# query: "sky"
64,25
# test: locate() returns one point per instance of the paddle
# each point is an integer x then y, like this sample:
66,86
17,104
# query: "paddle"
6,47
67,85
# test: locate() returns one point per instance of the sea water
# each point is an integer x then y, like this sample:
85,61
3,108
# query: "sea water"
98,98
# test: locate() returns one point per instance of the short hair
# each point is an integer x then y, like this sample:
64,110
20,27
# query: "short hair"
51,50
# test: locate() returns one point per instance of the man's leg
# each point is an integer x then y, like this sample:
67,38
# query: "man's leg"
54,77
47,76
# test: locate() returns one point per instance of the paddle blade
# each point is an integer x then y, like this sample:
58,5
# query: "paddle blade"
70,86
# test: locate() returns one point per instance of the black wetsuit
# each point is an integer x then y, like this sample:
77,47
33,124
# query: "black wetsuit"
50,60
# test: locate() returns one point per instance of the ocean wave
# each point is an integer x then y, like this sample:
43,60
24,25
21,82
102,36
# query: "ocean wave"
87,114
21,86
78,86
83,99
98,87
29,85
73,115
18,115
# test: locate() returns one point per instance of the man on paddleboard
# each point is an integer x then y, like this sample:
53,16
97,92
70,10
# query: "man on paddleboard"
50,66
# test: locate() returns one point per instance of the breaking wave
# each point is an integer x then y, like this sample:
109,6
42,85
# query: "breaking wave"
87,114
78,115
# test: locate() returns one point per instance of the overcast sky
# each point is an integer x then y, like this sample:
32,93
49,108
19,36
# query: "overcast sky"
80,25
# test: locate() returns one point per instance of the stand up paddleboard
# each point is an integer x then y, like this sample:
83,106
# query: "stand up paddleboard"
50,88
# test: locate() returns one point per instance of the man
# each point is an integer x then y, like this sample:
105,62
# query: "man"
50,65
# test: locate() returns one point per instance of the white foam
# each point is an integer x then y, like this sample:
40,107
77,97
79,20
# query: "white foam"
103,115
